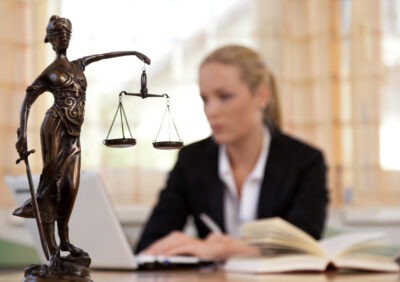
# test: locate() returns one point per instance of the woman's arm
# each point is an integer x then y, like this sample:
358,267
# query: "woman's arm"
98,57
171,211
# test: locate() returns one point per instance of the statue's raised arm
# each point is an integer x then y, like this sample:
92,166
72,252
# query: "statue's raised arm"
94,58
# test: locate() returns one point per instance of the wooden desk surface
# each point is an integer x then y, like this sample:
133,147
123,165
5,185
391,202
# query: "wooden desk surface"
219,276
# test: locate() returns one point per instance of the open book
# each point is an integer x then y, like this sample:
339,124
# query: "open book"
285,247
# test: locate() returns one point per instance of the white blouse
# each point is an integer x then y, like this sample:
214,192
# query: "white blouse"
239,210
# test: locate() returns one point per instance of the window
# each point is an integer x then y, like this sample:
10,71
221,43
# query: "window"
164,31
336,64
390,102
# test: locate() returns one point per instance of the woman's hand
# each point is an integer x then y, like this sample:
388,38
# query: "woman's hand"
214,247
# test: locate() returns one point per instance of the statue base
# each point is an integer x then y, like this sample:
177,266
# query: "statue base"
62,269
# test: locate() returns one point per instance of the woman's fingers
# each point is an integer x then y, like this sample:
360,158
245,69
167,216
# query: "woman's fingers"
167,243
186,248
214,247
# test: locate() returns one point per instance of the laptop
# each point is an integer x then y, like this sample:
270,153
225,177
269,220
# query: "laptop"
94,227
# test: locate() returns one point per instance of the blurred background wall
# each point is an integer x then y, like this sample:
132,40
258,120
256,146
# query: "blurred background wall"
337,64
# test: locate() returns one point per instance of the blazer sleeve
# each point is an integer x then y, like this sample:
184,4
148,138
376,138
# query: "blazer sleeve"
171,210
308,208
294,186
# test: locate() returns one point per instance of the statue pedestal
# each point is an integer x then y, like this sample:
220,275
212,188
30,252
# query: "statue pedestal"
62,269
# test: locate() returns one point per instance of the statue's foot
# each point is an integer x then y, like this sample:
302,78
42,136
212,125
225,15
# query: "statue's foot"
24,211
77,255
74,251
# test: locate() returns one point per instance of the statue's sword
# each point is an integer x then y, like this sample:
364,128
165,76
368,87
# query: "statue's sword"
36,210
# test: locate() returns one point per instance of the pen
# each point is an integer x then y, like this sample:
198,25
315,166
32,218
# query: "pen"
210,223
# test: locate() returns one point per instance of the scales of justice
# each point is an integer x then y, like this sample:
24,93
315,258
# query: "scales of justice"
52,202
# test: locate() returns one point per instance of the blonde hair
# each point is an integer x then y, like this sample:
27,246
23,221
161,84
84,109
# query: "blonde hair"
254,72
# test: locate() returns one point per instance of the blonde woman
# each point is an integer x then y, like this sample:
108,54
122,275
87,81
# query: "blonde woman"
247,169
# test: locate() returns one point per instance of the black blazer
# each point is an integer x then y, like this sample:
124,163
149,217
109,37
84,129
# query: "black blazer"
293,188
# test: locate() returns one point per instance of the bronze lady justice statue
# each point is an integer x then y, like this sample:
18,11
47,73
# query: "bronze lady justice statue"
60,136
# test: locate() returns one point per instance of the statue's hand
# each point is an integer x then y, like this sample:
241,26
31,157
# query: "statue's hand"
21,144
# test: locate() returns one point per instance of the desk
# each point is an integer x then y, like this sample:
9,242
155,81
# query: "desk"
219,276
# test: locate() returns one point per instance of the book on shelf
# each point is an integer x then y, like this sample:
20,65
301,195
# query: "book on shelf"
286,248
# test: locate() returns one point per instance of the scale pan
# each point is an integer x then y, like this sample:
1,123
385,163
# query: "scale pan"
120,142
165,145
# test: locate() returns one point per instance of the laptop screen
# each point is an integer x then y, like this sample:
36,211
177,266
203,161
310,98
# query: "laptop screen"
94,225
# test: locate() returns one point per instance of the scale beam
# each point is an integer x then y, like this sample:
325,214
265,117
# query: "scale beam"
144,95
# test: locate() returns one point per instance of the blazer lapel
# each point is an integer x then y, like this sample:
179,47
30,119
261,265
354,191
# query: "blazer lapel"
215,186
273,170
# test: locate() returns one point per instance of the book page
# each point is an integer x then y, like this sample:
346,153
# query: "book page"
276,233
366,262
338,244
287,263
